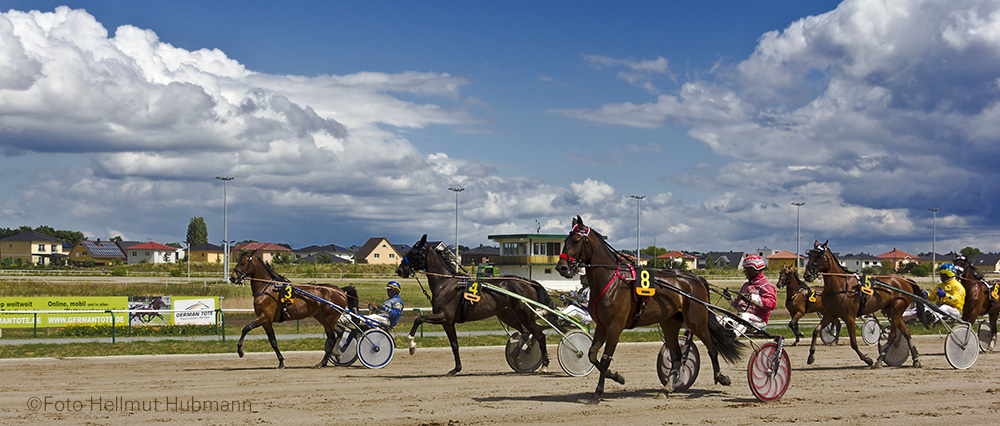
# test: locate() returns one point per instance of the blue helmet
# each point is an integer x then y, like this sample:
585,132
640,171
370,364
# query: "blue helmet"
394,285
948,270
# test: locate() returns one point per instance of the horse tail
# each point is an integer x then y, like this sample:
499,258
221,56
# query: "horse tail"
542,296
725,340
352,298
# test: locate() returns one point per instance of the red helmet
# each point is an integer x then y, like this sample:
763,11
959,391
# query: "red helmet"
754,262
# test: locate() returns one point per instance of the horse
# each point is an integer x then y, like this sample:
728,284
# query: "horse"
447,293
842,299
977,295
269,288
614,306
800,299
152,308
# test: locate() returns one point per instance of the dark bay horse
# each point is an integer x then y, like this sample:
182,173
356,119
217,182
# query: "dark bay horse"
614,307
978,300
269,288
447,292
842,298
800,299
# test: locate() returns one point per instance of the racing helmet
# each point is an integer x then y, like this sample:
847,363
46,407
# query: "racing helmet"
948,270
754,262
394,286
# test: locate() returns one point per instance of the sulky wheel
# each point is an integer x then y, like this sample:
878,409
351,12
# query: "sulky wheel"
375,348
831,333
524,359
870,331
961,347
690,364
898,351
769,372
572,353
348,349
987,340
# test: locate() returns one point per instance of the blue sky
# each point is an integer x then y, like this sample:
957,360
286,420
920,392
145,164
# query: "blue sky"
344,120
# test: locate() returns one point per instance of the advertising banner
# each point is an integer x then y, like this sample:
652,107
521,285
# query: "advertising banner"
10,305
194,310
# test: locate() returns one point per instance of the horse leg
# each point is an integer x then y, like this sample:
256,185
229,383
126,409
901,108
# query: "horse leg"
269,329
670,330
449,329
600,335
852,332
610,344
812,346
330,347
794,325
246,329
437,318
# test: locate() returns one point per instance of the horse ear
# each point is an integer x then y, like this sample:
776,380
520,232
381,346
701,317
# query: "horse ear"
423,240
816,244
827,242
579,221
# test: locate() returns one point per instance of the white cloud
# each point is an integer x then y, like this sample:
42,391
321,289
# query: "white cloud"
592,192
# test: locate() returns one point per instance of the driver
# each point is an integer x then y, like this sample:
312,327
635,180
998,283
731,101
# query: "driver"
757,297
388,314
949,294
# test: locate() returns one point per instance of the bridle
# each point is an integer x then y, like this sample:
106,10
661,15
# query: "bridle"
575,263
813,270
240,275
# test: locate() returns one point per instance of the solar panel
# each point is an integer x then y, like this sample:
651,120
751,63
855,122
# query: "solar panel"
103,249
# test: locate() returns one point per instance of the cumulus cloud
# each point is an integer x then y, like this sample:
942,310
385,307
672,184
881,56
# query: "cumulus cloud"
869,113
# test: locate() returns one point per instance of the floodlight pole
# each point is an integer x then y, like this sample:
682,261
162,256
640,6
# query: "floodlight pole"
933,238
798,206
638,202
225,225
456,190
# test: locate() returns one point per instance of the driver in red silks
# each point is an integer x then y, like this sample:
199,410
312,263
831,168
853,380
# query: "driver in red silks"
757,297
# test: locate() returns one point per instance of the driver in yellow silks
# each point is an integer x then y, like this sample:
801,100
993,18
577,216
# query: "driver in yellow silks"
949,294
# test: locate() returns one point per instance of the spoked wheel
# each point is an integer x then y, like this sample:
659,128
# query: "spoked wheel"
898,351
525,359
871,330
961,347
348,349
769,372
690,364
987,340
572,353
831,333
375,348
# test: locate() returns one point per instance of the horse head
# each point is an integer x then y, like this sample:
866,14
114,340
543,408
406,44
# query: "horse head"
818,261
783,277
243,268
414,260
575,253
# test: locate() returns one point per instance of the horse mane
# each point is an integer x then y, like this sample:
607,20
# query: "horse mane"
274,275
448,257
798,280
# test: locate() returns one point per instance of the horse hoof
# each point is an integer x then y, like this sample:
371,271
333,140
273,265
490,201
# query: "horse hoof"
239,350
592,400
916,364
723,380
452,373
869,362
811,360
662,394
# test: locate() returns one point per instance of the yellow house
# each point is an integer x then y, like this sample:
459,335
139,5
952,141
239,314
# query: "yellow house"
99,252
207,252
377,251
781,259
32,248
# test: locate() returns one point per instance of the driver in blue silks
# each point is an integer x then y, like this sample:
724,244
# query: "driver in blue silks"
388,314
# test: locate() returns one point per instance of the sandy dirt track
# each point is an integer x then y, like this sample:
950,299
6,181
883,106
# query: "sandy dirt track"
412,390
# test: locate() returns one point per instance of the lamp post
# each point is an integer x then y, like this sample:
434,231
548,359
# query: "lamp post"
638,202
798,206
225,225
456,189
933,238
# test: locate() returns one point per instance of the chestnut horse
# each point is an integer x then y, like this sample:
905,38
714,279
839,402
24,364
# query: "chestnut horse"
447,290
797,299
842,295
614,307
978,300
266,285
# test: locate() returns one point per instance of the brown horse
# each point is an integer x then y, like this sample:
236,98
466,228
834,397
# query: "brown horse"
269,288
800,299
978,300
614,307
448,290
842,298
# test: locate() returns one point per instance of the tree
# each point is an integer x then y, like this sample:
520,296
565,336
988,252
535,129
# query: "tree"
970,252
197,232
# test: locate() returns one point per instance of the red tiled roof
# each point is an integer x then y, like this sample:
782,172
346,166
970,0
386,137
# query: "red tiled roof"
896,254
151,246
261,246
675,254
784,254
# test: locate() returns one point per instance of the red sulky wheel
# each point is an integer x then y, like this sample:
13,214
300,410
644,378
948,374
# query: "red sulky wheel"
768,385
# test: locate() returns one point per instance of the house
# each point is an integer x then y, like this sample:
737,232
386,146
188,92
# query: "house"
332,250
675,258
937,258
150,252
725,259
479,255
896,258
987,262
265,251
857,262
101,253
207,252
31,248
765,253
532,256
377,251
782,258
